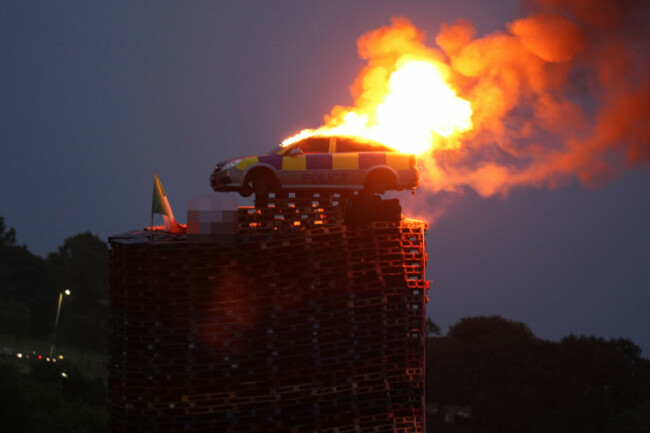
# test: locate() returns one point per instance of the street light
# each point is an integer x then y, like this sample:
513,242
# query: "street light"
56,321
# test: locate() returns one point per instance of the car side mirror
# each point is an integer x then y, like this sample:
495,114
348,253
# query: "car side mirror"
295,151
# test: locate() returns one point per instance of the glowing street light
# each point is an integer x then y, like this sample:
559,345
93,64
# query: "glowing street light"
56,321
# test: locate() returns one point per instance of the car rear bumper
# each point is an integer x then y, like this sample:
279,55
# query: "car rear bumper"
408,179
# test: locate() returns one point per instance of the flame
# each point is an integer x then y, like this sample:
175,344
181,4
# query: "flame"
413,110
560,94
419,107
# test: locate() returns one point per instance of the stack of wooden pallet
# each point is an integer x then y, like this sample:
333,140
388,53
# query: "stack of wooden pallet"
291,327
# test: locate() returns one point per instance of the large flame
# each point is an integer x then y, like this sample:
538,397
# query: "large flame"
563,93
417,109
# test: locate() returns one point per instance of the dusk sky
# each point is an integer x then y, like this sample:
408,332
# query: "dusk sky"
97,96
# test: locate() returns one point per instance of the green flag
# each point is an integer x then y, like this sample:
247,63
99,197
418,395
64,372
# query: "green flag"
160,204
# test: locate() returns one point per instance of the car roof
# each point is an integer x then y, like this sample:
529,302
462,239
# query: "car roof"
344,143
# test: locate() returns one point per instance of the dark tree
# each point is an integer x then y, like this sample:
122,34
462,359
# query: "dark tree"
14,319
502,377
38,404
7,237
25,283
431,328
599,379
30,286
81,266
514,382
633,420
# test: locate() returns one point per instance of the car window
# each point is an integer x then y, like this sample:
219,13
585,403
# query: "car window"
346,145
314,145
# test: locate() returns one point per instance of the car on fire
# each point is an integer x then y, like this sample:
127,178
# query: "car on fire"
321,162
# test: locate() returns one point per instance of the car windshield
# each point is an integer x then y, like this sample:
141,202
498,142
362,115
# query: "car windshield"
275,150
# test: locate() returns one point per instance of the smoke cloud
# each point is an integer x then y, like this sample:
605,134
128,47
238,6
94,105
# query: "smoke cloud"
563,93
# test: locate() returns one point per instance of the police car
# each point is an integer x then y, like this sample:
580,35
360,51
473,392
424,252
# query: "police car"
318,163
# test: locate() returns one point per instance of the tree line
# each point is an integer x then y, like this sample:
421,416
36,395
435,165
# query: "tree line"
39,396
30,286
489,374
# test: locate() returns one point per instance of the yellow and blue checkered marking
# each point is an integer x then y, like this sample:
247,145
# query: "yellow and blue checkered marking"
327,168
327,161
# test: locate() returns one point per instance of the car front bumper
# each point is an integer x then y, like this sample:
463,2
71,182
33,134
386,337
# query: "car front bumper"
227,180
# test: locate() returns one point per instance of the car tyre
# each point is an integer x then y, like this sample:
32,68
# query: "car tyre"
246,191
380,181
262,183
260,187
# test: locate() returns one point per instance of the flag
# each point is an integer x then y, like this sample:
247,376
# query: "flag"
160,205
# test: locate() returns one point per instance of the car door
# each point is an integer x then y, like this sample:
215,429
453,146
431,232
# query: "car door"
349,161
311,166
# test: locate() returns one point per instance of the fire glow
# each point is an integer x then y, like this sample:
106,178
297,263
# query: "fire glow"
561,94
417,109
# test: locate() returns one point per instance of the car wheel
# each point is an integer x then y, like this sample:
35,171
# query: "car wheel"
380,181
246,191
262,184
260,188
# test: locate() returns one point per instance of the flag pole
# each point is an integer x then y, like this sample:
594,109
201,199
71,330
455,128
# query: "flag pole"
151,226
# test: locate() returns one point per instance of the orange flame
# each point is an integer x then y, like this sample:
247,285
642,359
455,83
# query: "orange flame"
563,93
418,109
404,99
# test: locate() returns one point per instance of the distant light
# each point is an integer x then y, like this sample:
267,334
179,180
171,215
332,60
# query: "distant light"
53,359
67,292
60,356
19,355
64,375
47,359
40,356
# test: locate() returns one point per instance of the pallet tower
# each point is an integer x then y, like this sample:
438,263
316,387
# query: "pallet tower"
296,323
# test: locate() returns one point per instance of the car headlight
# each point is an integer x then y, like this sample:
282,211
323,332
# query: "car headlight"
231,164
